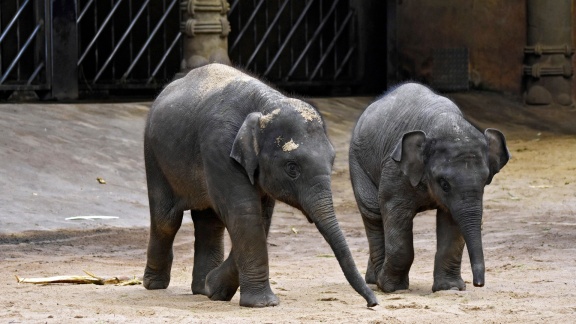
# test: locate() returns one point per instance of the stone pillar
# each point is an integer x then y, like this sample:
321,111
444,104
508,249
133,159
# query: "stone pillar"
548,54
206,30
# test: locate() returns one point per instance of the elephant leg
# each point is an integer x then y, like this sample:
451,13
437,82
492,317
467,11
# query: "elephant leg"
208,247
399,249
165,221
448,260
370,277
376,244
223,282
268,204
366,195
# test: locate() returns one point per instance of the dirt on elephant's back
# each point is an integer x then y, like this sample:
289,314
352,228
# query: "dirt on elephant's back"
529,237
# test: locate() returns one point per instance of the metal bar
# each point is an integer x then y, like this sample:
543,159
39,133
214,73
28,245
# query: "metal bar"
314,36
344,61
266,34
131,42
23,87
292,31
99,32
147,26
17,58
18,41
128,30
48,45
247,24
81,15
13,21
113,39
35,73
64,50
145,46
331,45
163,59
233,6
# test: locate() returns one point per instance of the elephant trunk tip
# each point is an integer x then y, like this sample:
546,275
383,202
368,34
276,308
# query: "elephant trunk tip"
372,301
478,276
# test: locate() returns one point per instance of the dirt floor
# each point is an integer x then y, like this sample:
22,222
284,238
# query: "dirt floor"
529,229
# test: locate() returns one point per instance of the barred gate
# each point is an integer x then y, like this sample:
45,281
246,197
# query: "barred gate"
295,43
102,46
24,45
128,43
91,46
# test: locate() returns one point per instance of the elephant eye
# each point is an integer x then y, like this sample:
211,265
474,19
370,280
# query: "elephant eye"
292,170
444,184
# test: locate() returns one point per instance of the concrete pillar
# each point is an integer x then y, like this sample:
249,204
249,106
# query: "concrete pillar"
548,54
206,28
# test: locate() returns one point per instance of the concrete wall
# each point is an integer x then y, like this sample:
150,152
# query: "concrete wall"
494,31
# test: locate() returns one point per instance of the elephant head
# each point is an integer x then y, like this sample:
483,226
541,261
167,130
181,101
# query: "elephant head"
455,171
286,153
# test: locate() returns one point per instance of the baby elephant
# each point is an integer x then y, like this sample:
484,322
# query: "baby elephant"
411,151
226,146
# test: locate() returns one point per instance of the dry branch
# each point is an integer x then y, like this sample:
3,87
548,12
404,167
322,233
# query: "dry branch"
89,279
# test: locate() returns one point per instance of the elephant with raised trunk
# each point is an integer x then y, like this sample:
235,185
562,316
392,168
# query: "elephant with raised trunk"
226,146
411,151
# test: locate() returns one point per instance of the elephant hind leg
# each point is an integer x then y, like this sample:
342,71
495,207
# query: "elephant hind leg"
375,235
208,247
366,195
165,221
163,228
223,282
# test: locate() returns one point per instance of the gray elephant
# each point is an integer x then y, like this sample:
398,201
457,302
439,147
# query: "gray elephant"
226,146
411,151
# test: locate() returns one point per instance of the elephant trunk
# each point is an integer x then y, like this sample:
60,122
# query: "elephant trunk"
470,221
321,212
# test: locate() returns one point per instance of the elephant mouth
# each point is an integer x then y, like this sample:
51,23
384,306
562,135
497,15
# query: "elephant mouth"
308,217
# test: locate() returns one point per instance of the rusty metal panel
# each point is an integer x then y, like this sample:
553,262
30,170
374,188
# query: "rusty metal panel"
450,69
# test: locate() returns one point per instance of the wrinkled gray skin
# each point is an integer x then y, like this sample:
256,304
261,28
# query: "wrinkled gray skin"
226,146
412,151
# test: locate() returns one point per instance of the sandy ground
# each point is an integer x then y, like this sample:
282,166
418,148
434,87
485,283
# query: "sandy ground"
529,229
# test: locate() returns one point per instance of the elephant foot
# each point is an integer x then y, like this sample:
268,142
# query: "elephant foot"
390,284
448,284
156,279
222,282
370,277
199,287
264,298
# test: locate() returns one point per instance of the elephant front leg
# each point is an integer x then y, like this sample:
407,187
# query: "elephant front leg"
448,260
248,237
208,247
223,282
399,250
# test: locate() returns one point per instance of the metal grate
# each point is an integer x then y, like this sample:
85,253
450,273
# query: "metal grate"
24,45
450,70
128,43
294,42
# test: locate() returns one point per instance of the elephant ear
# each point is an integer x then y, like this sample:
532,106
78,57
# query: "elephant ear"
409,152
498,154
245,148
